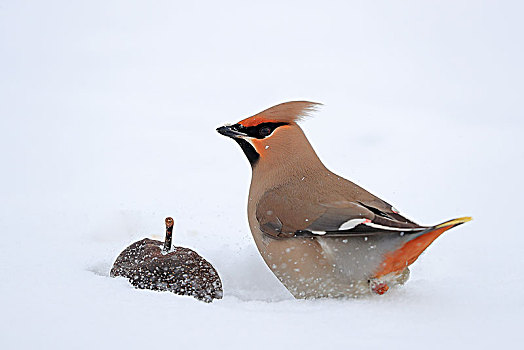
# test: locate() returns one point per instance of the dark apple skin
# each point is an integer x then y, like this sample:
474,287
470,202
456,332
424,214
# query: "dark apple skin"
181,271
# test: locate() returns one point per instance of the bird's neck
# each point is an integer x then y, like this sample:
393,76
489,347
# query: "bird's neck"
288,159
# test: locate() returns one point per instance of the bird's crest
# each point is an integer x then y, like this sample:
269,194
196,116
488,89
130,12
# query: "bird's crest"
286,112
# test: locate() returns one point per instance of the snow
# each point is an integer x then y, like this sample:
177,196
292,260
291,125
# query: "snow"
107,120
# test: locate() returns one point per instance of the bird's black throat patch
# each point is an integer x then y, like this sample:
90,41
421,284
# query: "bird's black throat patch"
250,152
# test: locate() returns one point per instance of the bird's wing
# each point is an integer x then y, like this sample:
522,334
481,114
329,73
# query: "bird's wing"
283,216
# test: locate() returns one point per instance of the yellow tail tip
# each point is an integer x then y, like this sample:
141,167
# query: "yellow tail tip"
455,221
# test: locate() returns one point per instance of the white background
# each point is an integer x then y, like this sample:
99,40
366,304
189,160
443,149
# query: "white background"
108,112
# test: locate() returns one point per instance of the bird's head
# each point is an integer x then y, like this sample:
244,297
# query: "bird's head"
273,135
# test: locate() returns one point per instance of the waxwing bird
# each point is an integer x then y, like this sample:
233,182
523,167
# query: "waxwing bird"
320,234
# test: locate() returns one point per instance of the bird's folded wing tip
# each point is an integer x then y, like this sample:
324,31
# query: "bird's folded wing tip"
455,222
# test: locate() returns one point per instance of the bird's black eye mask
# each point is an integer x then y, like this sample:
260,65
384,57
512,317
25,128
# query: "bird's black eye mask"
259,131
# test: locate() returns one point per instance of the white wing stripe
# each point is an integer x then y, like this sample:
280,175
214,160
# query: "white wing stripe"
371,224
348,225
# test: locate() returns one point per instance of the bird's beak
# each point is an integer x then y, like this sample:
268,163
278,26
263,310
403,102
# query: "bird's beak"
231,131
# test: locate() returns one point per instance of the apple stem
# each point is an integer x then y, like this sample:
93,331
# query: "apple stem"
169,234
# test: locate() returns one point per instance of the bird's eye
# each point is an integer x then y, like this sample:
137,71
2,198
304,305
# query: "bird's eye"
264,131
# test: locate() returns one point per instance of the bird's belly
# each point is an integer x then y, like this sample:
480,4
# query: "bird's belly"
321,267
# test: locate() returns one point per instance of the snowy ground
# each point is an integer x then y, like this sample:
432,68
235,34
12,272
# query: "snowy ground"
107,122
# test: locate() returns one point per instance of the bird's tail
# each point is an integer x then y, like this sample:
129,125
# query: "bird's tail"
455,222
398,260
